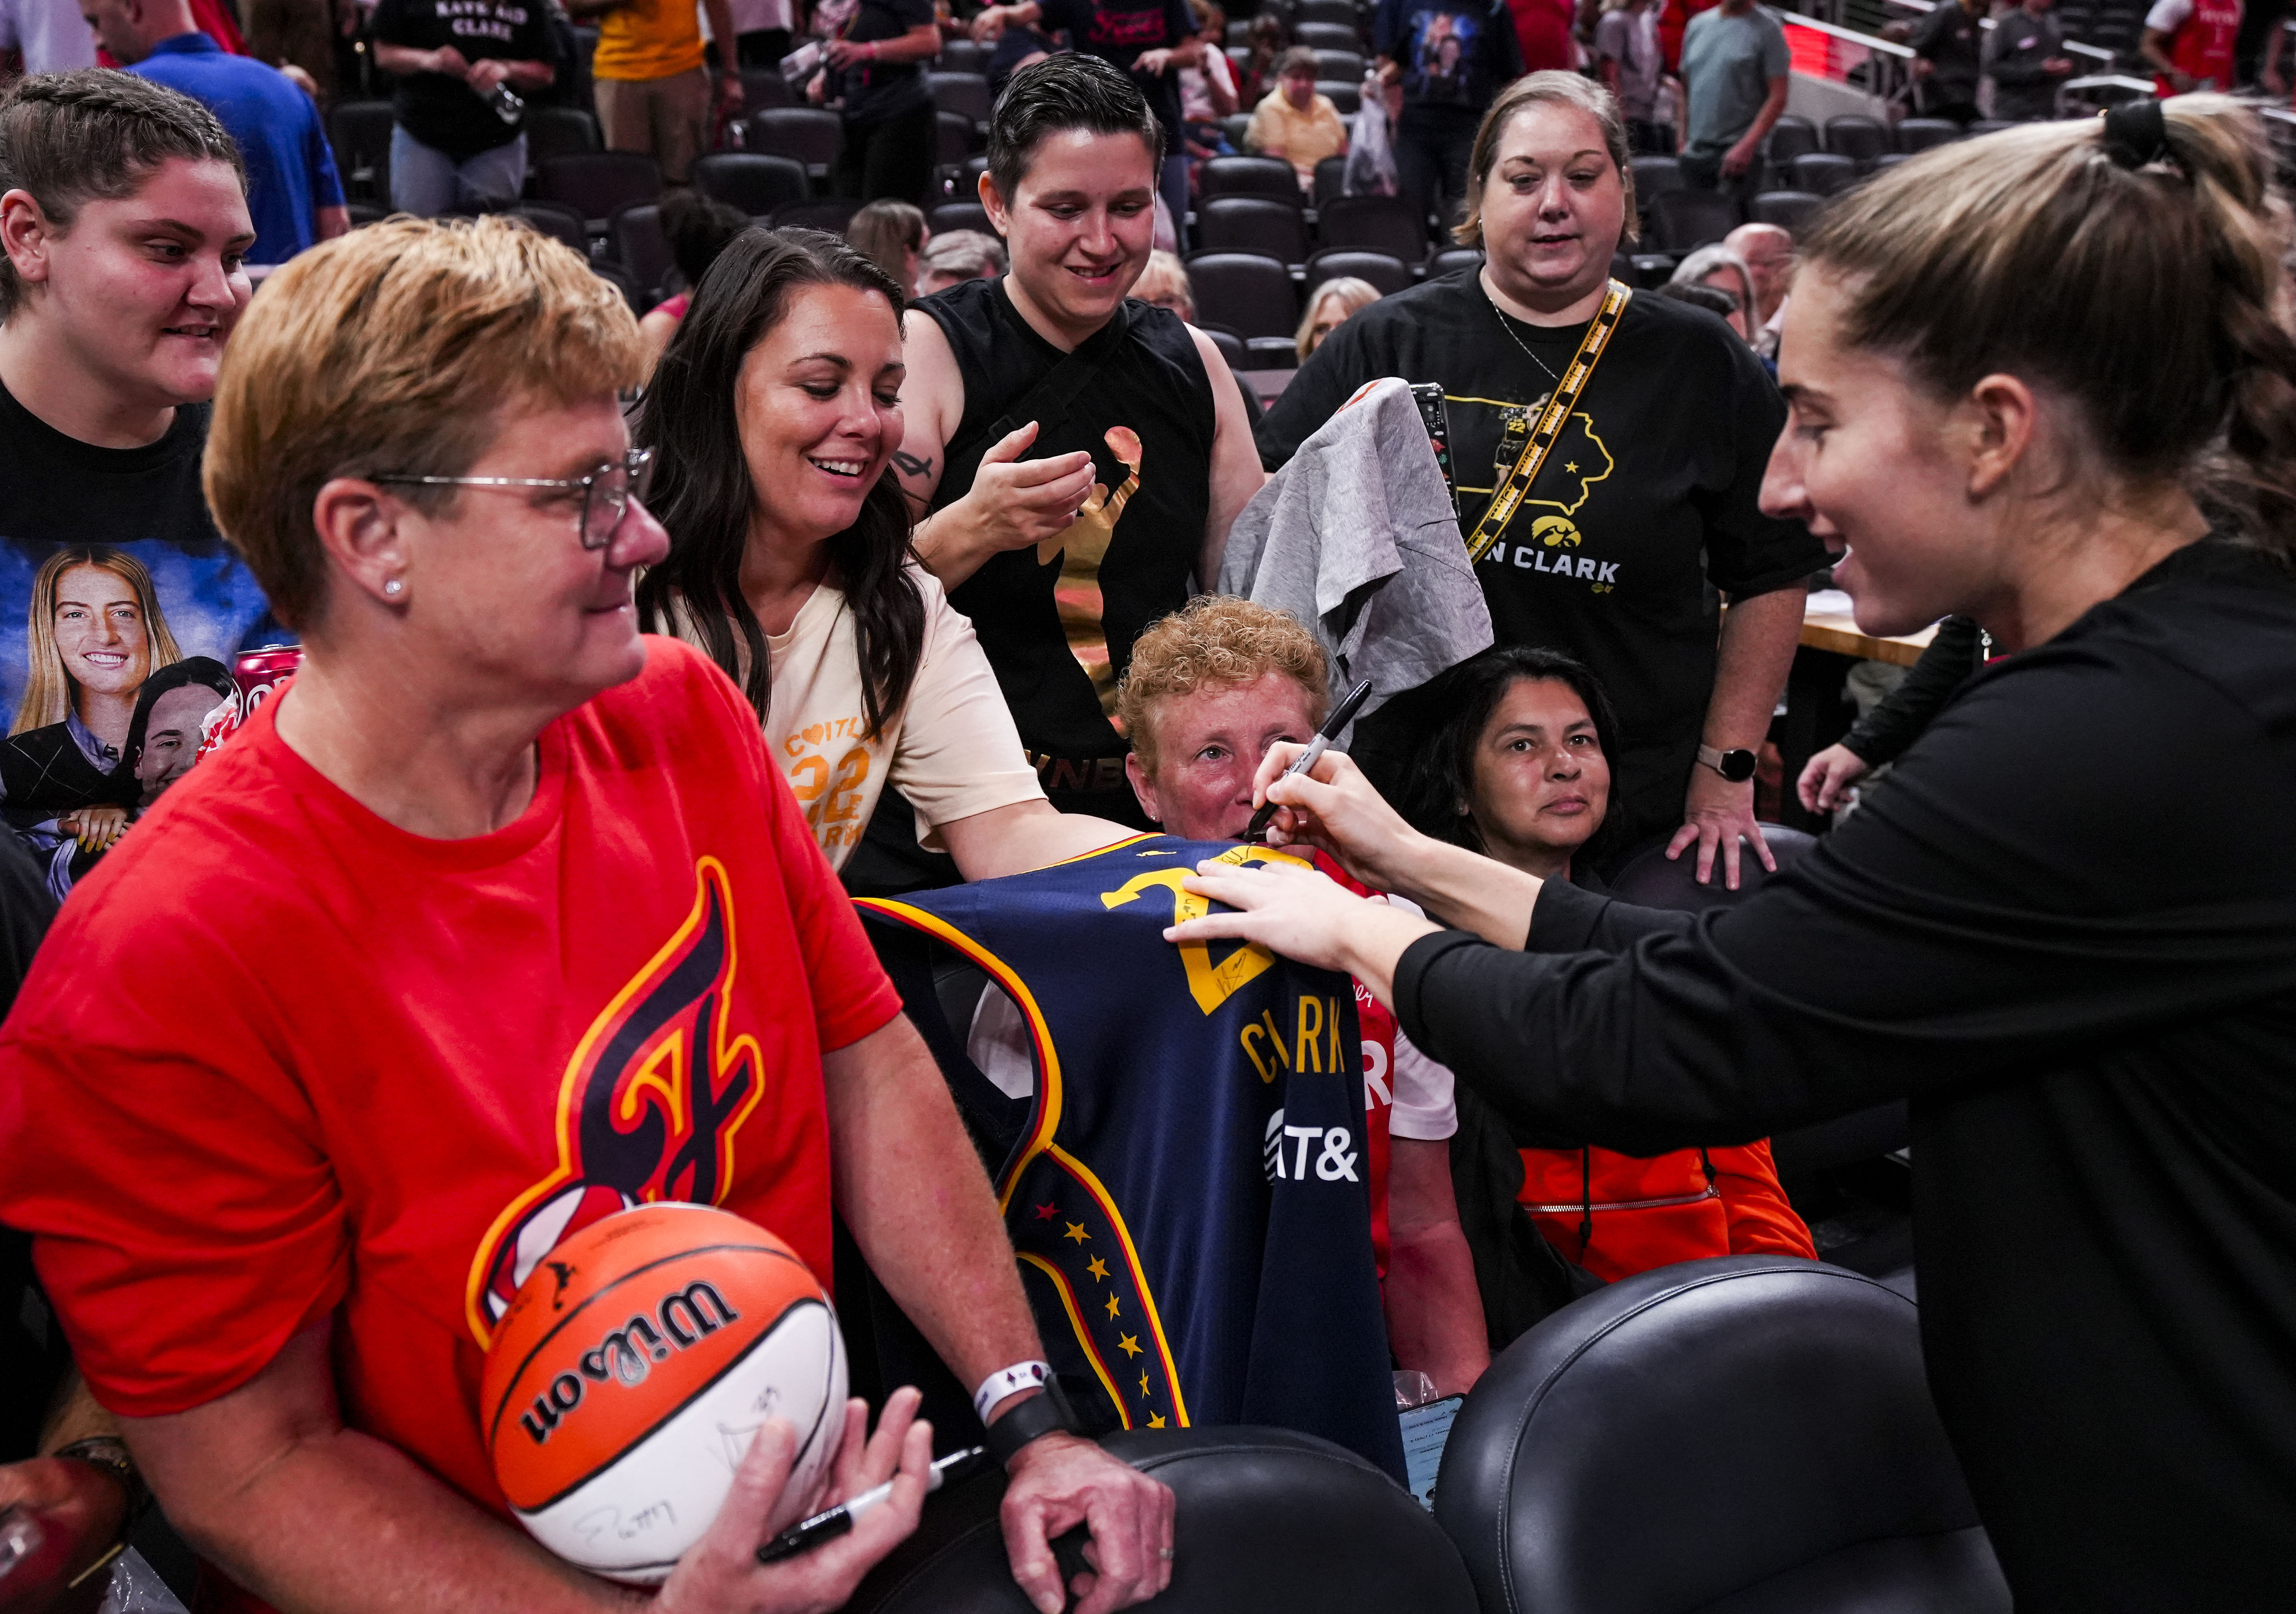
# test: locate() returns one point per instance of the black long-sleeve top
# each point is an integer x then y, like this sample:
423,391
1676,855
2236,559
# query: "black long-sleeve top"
2067,931
1954,652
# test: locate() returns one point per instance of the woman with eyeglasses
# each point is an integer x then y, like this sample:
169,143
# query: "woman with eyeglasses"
775,418
496,920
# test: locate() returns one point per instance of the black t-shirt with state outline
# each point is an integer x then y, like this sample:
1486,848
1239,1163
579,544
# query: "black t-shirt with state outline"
440,109
1645,508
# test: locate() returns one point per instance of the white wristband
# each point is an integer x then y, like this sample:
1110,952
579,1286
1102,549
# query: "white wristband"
1007,1381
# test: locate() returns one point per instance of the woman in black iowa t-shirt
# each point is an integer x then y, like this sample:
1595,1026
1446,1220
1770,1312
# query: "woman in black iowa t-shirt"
1646,506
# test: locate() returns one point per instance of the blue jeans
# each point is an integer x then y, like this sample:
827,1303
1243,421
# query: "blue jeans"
426,181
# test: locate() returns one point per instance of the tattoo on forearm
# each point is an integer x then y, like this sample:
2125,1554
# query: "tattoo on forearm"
911,465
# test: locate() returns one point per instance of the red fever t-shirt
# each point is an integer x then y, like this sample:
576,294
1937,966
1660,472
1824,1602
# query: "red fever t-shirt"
279,1058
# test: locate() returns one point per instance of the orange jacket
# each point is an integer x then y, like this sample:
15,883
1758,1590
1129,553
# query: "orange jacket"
1615,1214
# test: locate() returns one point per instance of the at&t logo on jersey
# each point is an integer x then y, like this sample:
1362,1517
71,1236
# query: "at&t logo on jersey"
1287,1149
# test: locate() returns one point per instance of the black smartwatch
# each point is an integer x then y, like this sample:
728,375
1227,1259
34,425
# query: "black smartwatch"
1736,766
1031,1419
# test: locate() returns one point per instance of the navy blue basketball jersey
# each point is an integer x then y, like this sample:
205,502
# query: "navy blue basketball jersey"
1187,1184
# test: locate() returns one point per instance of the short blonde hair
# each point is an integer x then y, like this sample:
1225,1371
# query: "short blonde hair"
1217,641
385,351
1355,296
1165,272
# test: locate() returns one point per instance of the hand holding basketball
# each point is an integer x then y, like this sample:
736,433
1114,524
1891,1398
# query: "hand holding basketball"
720,1573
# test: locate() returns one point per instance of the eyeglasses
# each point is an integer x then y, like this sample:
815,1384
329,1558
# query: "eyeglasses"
606,492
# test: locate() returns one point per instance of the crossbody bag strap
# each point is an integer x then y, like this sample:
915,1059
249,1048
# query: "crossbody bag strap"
1047,403
1560,405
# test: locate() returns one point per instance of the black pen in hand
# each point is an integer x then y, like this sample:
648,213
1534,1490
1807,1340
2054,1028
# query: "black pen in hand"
1341,716
827,1526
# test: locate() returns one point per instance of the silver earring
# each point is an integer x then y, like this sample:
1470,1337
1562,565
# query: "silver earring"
395,587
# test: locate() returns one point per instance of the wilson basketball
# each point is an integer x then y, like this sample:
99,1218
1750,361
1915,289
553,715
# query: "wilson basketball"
633,1369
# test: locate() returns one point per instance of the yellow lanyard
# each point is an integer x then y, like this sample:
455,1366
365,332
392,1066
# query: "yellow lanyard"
1560,407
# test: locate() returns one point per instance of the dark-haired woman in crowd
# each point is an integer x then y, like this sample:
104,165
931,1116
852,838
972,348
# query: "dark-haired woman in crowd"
1520,770
2092,1012
698,229
774,416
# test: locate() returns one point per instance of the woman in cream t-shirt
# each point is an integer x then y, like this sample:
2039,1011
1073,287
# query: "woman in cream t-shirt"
773,418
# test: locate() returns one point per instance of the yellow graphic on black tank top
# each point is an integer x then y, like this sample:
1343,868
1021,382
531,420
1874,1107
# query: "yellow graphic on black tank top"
1082,546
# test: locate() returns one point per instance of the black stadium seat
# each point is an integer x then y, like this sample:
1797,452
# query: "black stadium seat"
360,133
1328,36
960,215
764,86
811,134
1681,221
559,131
964,94
1342,12
1920,134
1345,96
751,181
1824,173
1268,176
830,213
555,220
1750,1434
1235,126
1346,65
1789,137
1266,1519
598,183
1331,180
1249,295
1388,273
1788,210
1856,137
963,56
1228,343
1651,879
1373,224
1253,224
639,246
958,137
1450,260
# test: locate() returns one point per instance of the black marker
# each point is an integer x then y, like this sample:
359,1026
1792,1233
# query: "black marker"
1341,716
828,1526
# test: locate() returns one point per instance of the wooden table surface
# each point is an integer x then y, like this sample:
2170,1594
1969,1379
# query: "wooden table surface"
1837,630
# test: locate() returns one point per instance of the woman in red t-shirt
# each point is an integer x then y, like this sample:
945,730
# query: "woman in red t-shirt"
1520,770
498,920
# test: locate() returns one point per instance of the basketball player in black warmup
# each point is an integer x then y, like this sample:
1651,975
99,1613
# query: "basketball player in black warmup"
1077,458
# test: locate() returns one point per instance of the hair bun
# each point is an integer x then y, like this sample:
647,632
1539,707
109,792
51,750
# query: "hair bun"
2135,134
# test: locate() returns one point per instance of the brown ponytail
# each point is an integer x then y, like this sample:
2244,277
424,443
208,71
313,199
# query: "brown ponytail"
2141,276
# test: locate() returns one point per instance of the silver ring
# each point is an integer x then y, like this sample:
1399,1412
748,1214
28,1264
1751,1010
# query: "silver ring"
1166,1554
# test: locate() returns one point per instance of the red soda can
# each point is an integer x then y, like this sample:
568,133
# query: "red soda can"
259,674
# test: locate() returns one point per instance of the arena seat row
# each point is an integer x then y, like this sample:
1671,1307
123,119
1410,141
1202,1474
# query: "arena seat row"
1750,1434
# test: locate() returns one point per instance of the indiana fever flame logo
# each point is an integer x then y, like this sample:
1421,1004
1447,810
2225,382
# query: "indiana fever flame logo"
649,1108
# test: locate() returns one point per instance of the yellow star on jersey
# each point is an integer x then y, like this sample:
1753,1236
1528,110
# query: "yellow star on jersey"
1143,1384
1129,1343
1076,1231
1572,468
1112,1306
1156,1421
1097,1268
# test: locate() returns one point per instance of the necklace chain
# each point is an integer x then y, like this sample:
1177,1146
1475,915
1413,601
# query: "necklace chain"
1507,325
